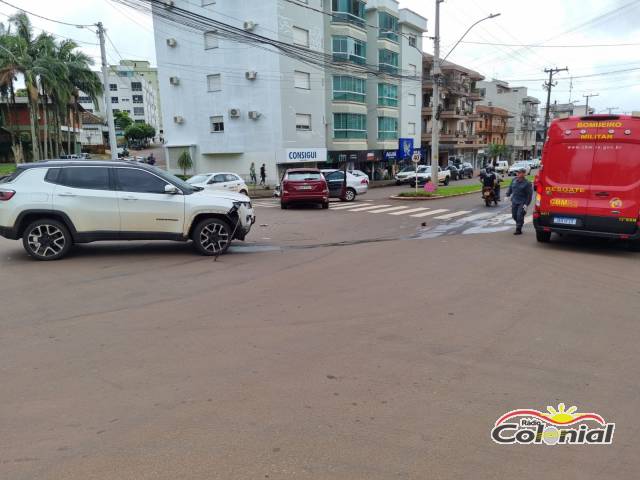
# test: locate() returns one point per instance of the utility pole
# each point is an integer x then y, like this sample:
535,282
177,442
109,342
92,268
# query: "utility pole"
588,97
435,113
113,144
611,109
548,85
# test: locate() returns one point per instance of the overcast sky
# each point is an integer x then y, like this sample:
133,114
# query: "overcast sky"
546,22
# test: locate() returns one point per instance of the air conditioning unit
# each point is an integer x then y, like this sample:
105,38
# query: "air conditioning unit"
234,112
174,80
249,26
169,3
171,42
253,115
178,119
251,75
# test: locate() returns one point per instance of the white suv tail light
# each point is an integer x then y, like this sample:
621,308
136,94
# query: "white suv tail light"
6,195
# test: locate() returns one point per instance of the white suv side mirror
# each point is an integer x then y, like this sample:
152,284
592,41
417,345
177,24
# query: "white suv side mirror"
171,189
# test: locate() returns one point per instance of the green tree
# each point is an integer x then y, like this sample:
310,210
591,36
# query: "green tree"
140,132
497,150
122,120
185,162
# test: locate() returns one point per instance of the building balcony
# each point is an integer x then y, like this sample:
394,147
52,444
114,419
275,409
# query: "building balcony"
427,111
474,117
475,95
452,114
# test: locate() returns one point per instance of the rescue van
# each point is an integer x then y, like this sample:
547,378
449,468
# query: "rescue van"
589,183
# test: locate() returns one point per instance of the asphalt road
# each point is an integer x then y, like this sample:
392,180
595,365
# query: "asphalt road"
335,344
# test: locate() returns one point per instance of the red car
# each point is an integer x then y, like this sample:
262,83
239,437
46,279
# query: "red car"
589,182
304,185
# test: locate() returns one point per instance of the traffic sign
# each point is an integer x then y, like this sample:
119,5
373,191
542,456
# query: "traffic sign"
415,158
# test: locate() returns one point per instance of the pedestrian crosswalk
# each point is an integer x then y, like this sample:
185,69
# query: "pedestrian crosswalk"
410,210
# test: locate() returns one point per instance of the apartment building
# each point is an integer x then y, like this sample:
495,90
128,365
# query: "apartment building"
133,89
237,104
458,115
521,137
493,125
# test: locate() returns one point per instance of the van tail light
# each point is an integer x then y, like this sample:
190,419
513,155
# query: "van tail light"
6,195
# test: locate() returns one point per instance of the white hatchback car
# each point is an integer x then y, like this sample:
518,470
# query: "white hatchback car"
355,185
227,181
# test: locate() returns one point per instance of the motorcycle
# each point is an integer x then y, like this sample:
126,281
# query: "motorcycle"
489,195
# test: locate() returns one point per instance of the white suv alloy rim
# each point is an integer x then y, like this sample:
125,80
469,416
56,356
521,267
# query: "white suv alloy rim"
214,238
46,240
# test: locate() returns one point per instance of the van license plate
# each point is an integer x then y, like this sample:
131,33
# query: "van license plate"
565,220
305,187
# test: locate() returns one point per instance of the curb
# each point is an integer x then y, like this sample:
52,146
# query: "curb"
437,197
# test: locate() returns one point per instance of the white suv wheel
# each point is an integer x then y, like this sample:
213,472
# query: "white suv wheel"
47,240
212,236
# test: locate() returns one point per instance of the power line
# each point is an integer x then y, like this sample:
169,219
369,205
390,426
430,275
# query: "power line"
575,76
47,18
553,46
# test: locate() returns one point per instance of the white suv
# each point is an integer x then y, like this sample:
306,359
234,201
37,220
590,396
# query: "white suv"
52,205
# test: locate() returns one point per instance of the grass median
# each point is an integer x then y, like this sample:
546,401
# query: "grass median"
6,168
451,190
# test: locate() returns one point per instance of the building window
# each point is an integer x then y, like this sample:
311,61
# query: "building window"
349,125
387,26
85,100
116,110
211,40
138,121
217,124
387,128
113,87
137,98
138,110
412,99
349,11
387,61
303,122
214,83
387,95
347,49
114,99
412,128
136,86
300,37
413,41
302,80
349,89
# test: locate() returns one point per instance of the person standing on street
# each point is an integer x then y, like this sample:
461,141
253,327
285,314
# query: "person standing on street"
521,193
263,175
252,173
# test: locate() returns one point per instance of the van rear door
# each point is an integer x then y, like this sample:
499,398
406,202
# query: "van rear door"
614,198
566,173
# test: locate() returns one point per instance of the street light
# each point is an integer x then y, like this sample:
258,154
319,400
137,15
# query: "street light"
435,122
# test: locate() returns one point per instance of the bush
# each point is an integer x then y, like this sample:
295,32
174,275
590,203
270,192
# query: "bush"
419,193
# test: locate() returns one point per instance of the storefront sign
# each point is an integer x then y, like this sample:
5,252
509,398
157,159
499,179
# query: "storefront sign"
299,155
405,148
390,155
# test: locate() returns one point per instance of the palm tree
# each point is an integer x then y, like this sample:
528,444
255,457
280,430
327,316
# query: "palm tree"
8,72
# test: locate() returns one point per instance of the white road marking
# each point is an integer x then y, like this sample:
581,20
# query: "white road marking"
411,210
433,212
362,209
348,207
478,216
452,215
385,210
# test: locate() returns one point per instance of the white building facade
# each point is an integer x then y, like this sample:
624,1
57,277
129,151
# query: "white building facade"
521,127
232,104
129,92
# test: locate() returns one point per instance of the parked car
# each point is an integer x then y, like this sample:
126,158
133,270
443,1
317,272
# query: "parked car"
360,173
466,170
425,176
535,163
220,181
501,166
303,185
513,169
73,156
453,171
115,200
591,191
407,173
355,185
